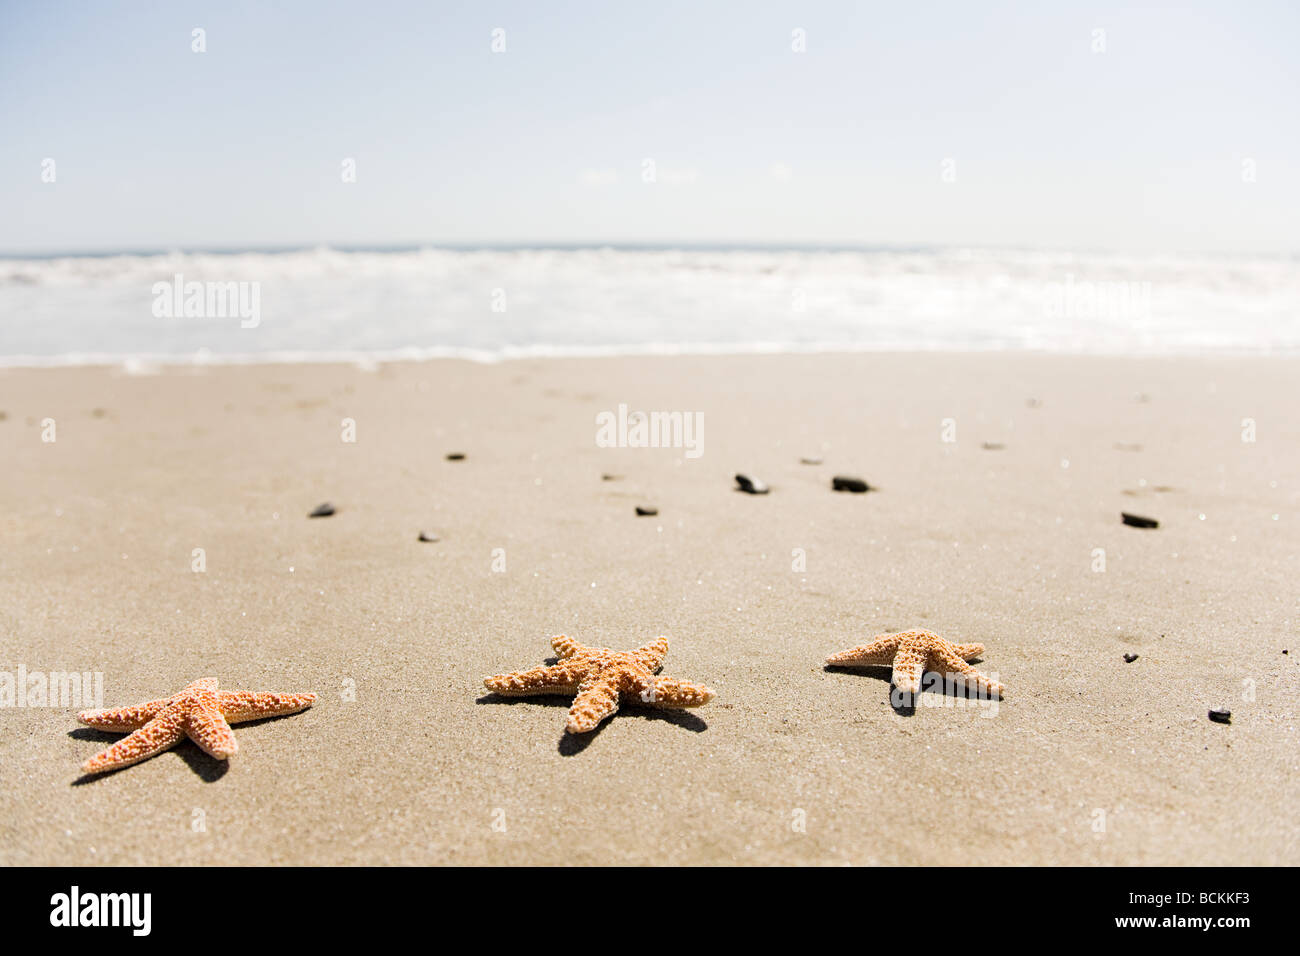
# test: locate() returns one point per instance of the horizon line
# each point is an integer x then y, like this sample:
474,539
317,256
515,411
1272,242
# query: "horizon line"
577,245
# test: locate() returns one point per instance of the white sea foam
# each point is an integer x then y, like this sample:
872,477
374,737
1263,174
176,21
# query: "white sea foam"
331,305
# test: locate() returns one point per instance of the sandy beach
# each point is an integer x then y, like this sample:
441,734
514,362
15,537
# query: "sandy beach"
406,759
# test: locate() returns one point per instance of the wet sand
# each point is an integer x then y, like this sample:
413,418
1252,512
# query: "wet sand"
406,759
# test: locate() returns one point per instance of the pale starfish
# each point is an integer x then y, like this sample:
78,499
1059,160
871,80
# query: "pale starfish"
199,711
912,653
601,677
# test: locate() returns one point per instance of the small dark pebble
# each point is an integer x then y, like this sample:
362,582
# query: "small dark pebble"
1130,658
810,461
848,483
428,536
322,511
1284,650
1221,715
98,412
646,511
752,486
611,477
1137,521
994,446
456,456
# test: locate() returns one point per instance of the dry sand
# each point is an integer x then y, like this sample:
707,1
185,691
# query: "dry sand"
99,527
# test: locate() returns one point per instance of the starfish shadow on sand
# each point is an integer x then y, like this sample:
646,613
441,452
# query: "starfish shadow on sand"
901,702
209,769
570,745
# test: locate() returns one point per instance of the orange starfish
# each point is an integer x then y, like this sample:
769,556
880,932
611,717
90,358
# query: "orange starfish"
601,677
199,711
914,652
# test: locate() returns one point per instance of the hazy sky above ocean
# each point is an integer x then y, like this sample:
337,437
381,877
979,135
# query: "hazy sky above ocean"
1180,135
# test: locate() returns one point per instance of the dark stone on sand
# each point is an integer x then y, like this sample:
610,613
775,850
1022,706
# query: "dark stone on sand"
455,456
646,511
1130,658
750,485
994,446
323,510
849,483
810,460
611,477
428,536
1221,715
1137,521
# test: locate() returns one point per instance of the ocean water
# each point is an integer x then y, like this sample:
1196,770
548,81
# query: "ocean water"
325,303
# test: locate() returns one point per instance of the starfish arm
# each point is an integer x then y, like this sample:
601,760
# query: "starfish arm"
157,735
203,683
237,706
123,719
560,678
566,646
879,652
595,701
652,655
207,728
909,665
968,651
958,668
669,692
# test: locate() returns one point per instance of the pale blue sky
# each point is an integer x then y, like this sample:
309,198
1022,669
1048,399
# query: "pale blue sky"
1139,148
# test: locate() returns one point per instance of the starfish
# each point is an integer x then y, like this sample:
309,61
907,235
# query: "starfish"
914,652
199,711
601,677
